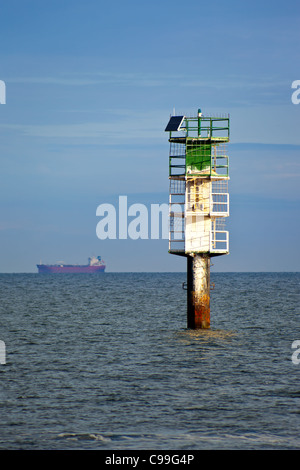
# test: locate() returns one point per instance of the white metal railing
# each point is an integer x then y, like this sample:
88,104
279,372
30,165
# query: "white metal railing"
177,246
176,228
219,241
198,243
219,204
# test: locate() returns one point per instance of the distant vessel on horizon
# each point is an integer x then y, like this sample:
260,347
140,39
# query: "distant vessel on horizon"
95,265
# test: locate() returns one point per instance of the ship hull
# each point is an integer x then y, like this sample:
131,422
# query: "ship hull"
46,269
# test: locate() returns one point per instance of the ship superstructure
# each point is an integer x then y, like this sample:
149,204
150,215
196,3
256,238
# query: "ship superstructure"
95,265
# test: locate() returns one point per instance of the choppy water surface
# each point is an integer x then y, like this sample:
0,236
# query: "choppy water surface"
106,362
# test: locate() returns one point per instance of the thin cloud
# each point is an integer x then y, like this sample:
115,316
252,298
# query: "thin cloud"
155,80
130,128
127,79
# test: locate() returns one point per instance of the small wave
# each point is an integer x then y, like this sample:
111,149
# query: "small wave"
83,436
267,439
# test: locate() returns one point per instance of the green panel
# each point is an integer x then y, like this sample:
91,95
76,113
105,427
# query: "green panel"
198,156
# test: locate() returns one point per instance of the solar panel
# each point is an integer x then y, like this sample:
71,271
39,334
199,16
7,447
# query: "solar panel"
175,123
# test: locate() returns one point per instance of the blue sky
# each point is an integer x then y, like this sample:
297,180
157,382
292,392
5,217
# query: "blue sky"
90,86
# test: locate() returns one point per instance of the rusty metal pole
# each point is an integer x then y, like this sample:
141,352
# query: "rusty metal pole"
198,291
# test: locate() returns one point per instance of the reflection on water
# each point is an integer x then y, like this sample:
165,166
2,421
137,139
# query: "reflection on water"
208,342
206,335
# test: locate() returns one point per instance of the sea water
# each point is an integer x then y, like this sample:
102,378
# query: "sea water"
106,362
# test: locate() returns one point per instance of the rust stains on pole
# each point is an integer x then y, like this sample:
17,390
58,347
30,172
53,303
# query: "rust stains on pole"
198,291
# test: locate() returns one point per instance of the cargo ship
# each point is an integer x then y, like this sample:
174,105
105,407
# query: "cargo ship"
95,265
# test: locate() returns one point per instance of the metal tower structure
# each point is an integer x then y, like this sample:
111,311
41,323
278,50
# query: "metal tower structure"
198,203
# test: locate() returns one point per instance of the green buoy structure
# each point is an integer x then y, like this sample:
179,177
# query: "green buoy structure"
198,202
